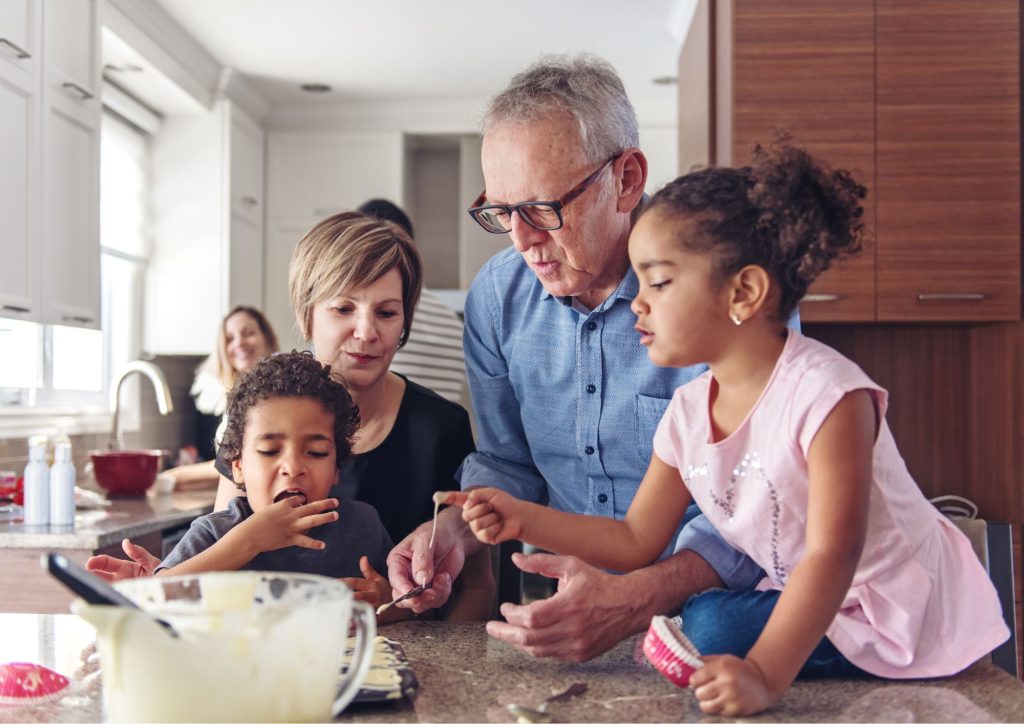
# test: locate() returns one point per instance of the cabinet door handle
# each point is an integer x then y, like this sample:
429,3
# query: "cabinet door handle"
13,308
951,297
820,298
76,318
250,201
85,95
19,52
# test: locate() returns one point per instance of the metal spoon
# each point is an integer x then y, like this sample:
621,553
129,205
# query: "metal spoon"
540,714
409,594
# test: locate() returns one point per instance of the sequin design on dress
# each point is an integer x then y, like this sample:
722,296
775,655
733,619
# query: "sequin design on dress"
752,462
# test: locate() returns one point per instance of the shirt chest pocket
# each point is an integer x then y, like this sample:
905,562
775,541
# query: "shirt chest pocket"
649,411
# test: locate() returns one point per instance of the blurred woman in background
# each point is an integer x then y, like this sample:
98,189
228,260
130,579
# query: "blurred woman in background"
243,338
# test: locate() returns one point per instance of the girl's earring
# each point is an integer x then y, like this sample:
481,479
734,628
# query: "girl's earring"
736,319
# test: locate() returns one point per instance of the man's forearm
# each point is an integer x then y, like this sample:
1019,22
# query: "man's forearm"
663,588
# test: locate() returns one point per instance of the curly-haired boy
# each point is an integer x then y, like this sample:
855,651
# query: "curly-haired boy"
289,429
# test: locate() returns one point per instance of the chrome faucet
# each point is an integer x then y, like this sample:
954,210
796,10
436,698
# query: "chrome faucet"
163,395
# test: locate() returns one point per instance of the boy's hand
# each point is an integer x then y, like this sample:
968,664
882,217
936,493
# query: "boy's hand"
285,522
730,686
141,565
493,515
372,587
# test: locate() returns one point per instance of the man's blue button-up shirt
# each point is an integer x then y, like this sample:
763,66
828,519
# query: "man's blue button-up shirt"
567,402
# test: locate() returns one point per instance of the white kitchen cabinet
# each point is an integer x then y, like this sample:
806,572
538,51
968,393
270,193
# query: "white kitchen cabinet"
19,195
49,161
71,49
246,161
71,198
20,35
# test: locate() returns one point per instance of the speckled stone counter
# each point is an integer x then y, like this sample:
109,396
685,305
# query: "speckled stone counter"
102,527
466,676
144,519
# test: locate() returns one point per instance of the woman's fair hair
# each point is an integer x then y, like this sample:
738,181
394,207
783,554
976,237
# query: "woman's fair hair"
583,86
786,213
349,251
218,364
291,374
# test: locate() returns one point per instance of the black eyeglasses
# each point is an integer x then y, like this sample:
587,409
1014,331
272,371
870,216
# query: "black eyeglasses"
544,215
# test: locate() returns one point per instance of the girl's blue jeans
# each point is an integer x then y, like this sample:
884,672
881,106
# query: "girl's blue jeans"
721,621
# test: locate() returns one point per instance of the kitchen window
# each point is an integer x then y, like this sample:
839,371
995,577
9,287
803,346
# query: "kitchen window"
44,368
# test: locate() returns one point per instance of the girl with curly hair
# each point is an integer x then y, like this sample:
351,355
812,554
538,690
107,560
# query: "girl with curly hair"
783,443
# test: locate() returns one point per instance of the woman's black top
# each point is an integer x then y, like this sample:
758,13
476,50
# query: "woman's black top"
427,444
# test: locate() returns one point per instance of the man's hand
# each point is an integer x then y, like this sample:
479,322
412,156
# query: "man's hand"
285,523
730,686
413,562
142,563
591,612
493,515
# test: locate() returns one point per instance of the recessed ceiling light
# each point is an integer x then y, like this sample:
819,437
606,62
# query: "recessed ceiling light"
665,80
315,87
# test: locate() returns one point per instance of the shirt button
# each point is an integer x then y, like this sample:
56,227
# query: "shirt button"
591,326
591,389
589,450
602,498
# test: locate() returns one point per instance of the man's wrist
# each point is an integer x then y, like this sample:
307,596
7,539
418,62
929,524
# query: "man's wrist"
664,587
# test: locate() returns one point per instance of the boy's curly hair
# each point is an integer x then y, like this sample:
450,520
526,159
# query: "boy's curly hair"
290,374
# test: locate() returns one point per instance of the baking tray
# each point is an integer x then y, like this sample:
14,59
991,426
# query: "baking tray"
390,677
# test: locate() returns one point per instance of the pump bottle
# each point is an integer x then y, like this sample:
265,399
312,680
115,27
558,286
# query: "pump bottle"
37,485
62,487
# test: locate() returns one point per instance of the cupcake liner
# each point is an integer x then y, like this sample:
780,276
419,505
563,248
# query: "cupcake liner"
23,683
670,652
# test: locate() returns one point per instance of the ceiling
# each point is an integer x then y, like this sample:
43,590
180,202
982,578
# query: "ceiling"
373,51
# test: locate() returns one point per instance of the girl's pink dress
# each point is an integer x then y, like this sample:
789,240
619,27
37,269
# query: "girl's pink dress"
920,603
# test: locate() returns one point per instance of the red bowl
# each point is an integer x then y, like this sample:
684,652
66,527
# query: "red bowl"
126,472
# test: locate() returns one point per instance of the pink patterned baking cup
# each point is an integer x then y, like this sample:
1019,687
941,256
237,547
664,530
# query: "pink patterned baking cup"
671,653
23,683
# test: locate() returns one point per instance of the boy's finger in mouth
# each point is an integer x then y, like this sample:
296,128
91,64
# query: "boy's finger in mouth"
285,494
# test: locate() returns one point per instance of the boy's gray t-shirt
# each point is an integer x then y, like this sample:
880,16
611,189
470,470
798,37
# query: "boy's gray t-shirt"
357,532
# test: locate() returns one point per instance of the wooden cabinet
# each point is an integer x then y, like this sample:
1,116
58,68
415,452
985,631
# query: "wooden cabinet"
921,101
49,161
948,160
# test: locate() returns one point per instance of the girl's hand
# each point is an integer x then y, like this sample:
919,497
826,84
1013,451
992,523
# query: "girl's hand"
285,522
372,587
730,686
493,515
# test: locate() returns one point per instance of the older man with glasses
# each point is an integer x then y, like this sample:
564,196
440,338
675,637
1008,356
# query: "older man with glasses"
566,400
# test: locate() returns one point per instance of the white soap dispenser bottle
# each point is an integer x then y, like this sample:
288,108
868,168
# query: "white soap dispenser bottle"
62,487
37,484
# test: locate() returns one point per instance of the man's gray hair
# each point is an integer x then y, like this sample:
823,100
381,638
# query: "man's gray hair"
584,86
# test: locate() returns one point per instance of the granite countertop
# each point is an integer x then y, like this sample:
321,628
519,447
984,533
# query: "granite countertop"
466,676
123,518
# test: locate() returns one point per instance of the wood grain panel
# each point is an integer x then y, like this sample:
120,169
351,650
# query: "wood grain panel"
948,159
955,405
809,66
